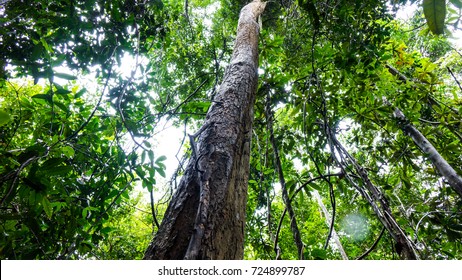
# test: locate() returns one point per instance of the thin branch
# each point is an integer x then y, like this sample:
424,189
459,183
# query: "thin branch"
373,246
292,198
416,231
454,77
381,207
304,185
16,173
174,111
153,211
96,106
328,222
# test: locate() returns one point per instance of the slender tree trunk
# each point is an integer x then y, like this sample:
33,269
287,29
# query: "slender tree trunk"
282,181
445,169
206,217
335,237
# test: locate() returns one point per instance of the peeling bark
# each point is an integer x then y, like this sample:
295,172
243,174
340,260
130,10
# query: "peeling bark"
206,216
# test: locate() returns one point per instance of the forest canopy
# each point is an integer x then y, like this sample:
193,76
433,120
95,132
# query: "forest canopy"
356,143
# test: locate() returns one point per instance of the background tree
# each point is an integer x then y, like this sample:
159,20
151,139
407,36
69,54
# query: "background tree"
214,185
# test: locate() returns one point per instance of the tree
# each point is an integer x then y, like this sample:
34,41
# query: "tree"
214,185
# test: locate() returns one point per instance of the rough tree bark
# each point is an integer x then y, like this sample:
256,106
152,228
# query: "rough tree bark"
206,216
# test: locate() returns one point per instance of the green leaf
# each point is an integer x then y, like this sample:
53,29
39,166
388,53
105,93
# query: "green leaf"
435,13
61,90
147,144
125,195
140,172
62,106
58,205
143,156
59,170
106,230
457,3
46,46
65,76
4,117
51,163
315,186
80,93
148,185
319,254
47,97
160,159
68,151
121,158
88,209
47,207
161,171
151,155
86,246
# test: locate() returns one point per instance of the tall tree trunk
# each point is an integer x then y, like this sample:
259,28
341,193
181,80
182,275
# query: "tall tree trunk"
206,216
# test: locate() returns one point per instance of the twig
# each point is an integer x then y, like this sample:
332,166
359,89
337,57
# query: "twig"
153,211
373,246
454,77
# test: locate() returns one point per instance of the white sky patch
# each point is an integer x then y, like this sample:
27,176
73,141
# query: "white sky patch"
168,143
129,65
61,70
210,10
405,12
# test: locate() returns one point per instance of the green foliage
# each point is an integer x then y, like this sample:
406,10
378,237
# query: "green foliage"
128,232
435,14
58,189
38,36
338,74
67,158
